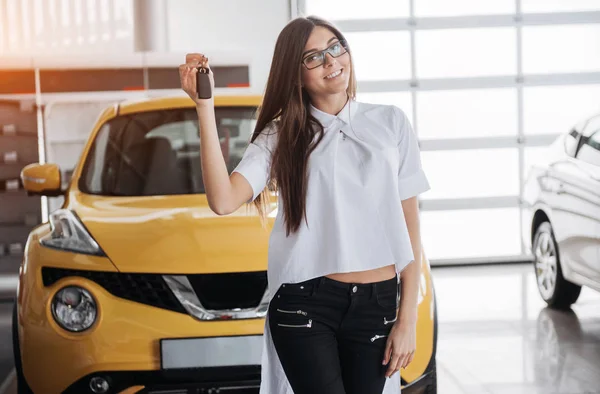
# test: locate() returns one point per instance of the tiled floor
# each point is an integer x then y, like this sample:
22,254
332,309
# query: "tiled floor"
496,335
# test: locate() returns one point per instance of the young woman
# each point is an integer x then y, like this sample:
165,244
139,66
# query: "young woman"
344,253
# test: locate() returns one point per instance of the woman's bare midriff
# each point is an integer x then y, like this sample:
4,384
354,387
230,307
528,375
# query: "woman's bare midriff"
370,276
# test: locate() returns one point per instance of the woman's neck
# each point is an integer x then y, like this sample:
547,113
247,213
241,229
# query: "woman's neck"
331,104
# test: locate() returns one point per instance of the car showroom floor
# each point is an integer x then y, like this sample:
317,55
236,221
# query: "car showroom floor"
495,336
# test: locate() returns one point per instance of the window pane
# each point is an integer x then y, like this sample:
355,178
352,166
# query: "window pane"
459,305
380,55
402,100
557,49
556,109
467,113
471,173
463,7
471,233
559,5
466,52
357,9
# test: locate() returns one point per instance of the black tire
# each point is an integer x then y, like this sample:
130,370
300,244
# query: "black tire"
22,386
564,293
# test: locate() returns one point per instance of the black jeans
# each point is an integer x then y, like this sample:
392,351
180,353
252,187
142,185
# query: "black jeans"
330,336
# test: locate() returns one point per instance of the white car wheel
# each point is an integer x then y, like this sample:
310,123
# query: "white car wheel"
553,287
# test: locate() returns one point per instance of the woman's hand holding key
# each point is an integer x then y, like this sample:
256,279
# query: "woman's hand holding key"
188,77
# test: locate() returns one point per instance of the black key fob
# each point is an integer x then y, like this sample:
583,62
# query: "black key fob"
203,84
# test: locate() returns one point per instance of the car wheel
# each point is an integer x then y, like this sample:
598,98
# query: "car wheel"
553,287
22,386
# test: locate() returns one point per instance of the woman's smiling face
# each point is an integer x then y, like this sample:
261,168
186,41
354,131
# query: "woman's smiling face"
332,77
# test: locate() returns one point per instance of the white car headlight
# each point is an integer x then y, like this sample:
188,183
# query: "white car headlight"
74,309
69,234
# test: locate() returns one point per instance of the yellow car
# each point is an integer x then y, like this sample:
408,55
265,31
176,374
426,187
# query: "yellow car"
135,285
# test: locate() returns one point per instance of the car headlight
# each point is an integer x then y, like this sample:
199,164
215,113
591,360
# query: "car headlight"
74,309
68,233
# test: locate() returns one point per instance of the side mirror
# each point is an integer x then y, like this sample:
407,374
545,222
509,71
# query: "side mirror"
42,179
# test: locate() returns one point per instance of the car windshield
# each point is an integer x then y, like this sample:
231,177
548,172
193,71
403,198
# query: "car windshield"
158,152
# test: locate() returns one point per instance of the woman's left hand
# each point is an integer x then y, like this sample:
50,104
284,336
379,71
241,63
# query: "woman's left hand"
400,347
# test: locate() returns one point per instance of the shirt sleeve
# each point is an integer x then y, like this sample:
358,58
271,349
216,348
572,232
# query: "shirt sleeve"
255,165
411,178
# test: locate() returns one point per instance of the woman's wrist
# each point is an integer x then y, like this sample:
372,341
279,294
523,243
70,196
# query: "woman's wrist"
202,108
408,315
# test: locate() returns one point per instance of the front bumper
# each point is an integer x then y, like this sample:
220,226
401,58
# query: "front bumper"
234,380
123,344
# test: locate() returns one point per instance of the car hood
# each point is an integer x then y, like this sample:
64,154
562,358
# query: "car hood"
173,234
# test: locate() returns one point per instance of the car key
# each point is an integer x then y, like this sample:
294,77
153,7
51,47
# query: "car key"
203,83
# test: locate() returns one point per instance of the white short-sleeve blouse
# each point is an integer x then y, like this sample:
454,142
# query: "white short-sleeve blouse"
366,164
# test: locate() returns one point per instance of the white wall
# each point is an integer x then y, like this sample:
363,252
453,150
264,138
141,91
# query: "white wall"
58,27
246,27
243,30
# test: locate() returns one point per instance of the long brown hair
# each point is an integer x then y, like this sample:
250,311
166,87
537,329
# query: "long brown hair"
287,103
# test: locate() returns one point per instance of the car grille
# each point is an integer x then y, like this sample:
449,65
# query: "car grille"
149,289
230,290
215,291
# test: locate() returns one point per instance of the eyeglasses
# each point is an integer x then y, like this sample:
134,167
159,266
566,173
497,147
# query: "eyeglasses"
317,59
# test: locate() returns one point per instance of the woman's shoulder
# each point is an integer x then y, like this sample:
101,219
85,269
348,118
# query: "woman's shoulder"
267,137
385,114
388,116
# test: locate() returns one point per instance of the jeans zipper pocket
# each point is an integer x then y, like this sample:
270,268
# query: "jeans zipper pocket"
298,312
386,321
309,325
376,337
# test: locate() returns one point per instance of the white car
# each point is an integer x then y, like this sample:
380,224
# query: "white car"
562,215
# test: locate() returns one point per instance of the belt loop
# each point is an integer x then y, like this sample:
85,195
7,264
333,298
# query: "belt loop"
373,290
318,284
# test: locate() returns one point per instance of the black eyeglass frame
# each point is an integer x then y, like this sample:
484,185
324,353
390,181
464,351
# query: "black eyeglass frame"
324,53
